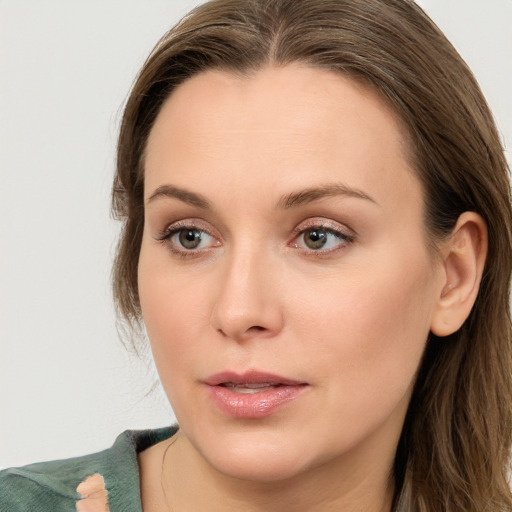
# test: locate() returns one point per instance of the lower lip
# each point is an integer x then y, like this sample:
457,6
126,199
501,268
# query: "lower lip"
253,405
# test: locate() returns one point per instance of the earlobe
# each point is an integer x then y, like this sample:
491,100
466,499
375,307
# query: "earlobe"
463,260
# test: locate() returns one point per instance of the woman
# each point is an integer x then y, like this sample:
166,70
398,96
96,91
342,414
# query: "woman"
317,241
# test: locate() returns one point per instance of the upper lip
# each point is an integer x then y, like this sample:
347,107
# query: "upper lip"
250,377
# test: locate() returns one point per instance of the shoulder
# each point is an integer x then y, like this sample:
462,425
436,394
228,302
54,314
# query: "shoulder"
109,478
43,486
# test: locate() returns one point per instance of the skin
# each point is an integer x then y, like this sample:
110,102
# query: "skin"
351,320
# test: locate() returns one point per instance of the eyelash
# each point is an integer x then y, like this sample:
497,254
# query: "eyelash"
167,235
343,238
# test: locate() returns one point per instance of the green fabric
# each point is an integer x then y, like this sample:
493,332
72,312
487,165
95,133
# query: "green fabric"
51,486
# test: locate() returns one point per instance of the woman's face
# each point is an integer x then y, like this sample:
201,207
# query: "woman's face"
285,282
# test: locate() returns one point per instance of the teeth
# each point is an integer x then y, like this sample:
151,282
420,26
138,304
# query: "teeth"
250,387
237,389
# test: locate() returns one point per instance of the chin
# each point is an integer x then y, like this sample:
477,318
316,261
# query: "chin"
258,466
255,456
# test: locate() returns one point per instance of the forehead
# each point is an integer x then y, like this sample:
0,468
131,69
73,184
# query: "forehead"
294,124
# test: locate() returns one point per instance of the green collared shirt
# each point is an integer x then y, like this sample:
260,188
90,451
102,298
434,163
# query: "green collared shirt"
110,476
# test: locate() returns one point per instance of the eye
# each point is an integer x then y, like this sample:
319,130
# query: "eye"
186,240
191,238
322,238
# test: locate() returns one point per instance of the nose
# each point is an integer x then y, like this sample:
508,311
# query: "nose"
248,301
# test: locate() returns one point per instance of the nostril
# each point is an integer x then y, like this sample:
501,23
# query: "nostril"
242,335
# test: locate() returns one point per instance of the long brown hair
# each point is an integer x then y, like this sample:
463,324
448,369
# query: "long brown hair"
453,454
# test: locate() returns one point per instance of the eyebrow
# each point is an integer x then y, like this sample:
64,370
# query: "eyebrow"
186,196
292,200
309,195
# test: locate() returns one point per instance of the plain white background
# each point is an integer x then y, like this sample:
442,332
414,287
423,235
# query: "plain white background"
67,385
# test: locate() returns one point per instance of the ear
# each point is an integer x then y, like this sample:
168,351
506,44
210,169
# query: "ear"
463,258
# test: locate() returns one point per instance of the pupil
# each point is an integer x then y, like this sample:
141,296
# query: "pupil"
190,239
316,238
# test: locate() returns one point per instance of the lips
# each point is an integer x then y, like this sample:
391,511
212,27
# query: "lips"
253,394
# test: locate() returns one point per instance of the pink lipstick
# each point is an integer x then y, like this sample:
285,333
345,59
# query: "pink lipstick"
253,394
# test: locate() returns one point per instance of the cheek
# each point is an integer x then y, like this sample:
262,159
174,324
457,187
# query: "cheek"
367,334
172,310
172,317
